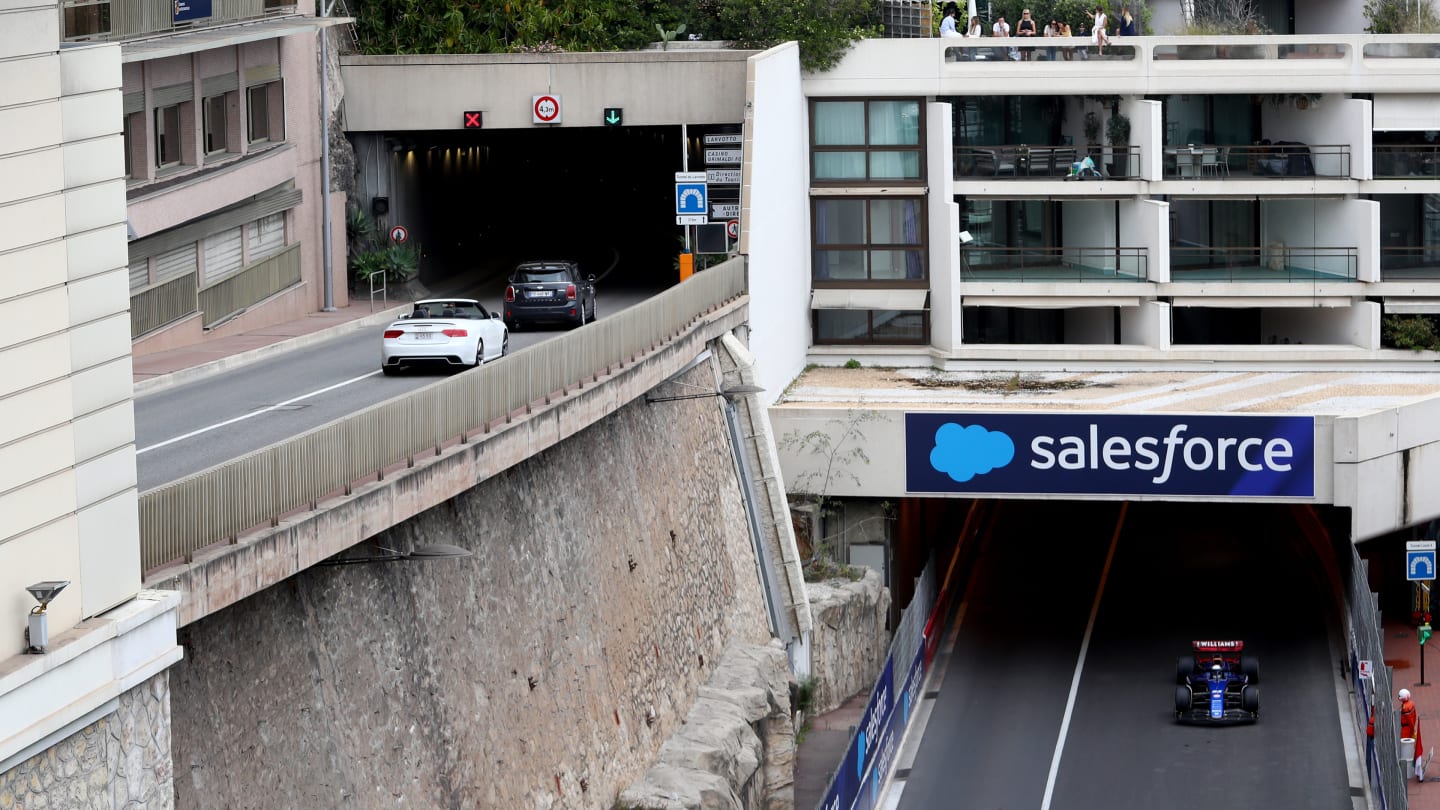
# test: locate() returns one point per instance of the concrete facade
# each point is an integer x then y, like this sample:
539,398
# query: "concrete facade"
500,680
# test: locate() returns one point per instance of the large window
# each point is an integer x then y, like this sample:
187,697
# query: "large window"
84,20
866,141
266,117
876,239
870,326
216,124
167,136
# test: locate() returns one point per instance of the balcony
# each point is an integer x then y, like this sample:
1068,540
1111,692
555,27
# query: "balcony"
1054,265
1258,161
1405,161
118,20
1025,162
1410,263
1275,262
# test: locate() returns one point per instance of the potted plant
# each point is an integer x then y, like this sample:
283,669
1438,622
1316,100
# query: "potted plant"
1117,131
1092,129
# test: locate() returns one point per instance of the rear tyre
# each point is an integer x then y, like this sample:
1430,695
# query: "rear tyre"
592,310
1182,700
1250,667
1250,699
1183,669
390,370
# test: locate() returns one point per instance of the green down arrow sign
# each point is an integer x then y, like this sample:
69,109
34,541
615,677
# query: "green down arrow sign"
614,116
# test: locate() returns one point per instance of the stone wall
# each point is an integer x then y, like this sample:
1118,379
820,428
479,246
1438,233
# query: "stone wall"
609,574
849,642
120,761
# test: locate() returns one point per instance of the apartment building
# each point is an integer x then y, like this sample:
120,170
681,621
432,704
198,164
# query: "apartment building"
1170,200
158,182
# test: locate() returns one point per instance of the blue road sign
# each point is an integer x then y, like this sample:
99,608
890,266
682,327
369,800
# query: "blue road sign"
690,199
1419,562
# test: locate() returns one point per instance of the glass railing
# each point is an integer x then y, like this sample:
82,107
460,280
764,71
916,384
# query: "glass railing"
1410,263
1407,160
1023,161
1233,50
1068,264
1263,161
1276,262
1016,50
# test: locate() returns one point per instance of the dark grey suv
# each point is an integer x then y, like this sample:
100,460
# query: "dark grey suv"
549,291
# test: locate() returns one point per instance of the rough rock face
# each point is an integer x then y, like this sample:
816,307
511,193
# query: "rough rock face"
120,761
736,748
849,642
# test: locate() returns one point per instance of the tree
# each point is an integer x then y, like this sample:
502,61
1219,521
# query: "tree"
1215,17
837,446
825,29
1401,17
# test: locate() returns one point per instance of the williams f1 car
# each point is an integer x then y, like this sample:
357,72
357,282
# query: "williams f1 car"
1216,684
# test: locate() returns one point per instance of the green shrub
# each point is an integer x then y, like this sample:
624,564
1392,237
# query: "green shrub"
852,363
1418,332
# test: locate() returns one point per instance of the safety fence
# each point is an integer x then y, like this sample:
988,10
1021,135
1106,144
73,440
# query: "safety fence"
1383,769
259,488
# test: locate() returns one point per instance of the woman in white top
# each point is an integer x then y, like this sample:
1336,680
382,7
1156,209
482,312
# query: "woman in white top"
976,30
1098,32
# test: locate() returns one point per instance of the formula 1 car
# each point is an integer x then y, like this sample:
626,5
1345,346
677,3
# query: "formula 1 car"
1217,684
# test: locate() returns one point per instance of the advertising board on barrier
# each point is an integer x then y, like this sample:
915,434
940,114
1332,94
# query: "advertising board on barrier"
1111,454
872,752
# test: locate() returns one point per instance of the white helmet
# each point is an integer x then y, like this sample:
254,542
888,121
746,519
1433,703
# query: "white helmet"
1404,694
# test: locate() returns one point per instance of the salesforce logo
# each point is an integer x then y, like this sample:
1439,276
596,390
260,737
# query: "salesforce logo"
964,452
1111,454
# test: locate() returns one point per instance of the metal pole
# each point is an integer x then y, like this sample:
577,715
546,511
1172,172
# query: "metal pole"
325,239
685,167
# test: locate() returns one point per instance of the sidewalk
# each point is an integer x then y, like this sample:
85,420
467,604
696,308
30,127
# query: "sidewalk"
822,748
1402,652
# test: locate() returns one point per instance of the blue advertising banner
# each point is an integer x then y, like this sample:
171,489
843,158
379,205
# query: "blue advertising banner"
1111,454
191,10
851,777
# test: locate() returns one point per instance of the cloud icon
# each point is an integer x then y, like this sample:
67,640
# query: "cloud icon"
965,452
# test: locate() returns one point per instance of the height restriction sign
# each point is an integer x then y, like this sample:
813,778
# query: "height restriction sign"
545,108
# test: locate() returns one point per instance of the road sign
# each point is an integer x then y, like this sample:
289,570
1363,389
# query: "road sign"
723,137
1419,560
689,177
722,177
691,219
690,199
473,119
399,234
732,229
724,210
545,108
1367,669
722,156
614,116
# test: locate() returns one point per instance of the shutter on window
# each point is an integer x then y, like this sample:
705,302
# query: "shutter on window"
176,263
139,273
172,94
222,256
261,75
216,85
267,237
260,207
133,103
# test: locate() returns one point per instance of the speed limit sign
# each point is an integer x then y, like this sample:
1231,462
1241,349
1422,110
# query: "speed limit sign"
732,229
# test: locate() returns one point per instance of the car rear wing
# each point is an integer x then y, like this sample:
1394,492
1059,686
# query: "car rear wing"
1224,647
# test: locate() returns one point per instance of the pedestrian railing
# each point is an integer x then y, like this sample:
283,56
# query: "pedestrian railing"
261,487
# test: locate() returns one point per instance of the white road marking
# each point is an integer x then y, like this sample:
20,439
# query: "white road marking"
1080,663
243,417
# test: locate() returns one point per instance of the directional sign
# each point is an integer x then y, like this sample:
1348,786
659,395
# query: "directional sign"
724,210
473,119
691,219
722,177
722,156
545,108
614,116
690,199
399,234
723,137
1419,560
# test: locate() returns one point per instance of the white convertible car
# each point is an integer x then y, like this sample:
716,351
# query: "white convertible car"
444,331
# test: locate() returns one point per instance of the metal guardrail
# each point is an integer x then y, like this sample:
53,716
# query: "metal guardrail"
164,303
1263,263
250,286
1256,161
248,492
134,18
1406,160
1367,642
1054,264
1409,263
1023,161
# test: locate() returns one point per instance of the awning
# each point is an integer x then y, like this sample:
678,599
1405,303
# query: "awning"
1407,112
868,299
203,39
1412,306
1264,302
972,299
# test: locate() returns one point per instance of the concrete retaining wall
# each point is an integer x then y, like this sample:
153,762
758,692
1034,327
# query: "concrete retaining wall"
849,642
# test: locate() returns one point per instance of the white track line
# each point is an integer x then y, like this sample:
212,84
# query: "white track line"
1080,663
243,417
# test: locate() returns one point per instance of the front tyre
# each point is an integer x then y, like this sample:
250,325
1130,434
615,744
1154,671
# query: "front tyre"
1184,667
1250,667
505,346
1183,698
479,354
1250,699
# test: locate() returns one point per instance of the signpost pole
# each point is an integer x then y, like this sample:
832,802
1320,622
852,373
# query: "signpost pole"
685,167
327,251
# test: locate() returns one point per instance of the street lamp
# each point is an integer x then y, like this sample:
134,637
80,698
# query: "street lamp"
730,392
437,551
38,632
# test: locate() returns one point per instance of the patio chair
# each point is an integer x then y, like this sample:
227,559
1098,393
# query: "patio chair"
1209,162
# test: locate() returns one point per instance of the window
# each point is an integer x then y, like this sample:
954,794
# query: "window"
223,256
175,263
870,326
879,239
167,136
266,117
139,273
265,238
128,133
866,141
216,126
84,20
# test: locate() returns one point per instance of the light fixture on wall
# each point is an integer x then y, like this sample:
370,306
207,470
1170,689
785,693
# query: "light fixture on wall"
38,633
730,392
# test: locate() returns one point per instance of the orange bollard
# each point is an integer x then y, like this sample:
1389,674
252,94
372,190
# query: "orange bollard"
687,265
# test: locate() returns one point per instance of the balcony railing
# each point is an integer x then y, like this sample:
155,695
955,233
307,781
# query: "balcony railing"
124,19
162,304
1408,160
1023,161
250,286
1262,161
1275,262
1064,264
1410,263
1039,49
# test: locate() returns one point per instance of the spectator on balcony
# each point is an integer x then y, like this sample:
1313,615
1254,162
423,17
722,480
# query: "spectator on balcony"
1052,29
947,25
1128,26
1025,28
1097,30
1002,29
976,30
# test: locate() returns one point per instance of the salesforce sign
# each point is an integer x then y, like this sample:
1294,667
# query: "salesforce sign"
1111,454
